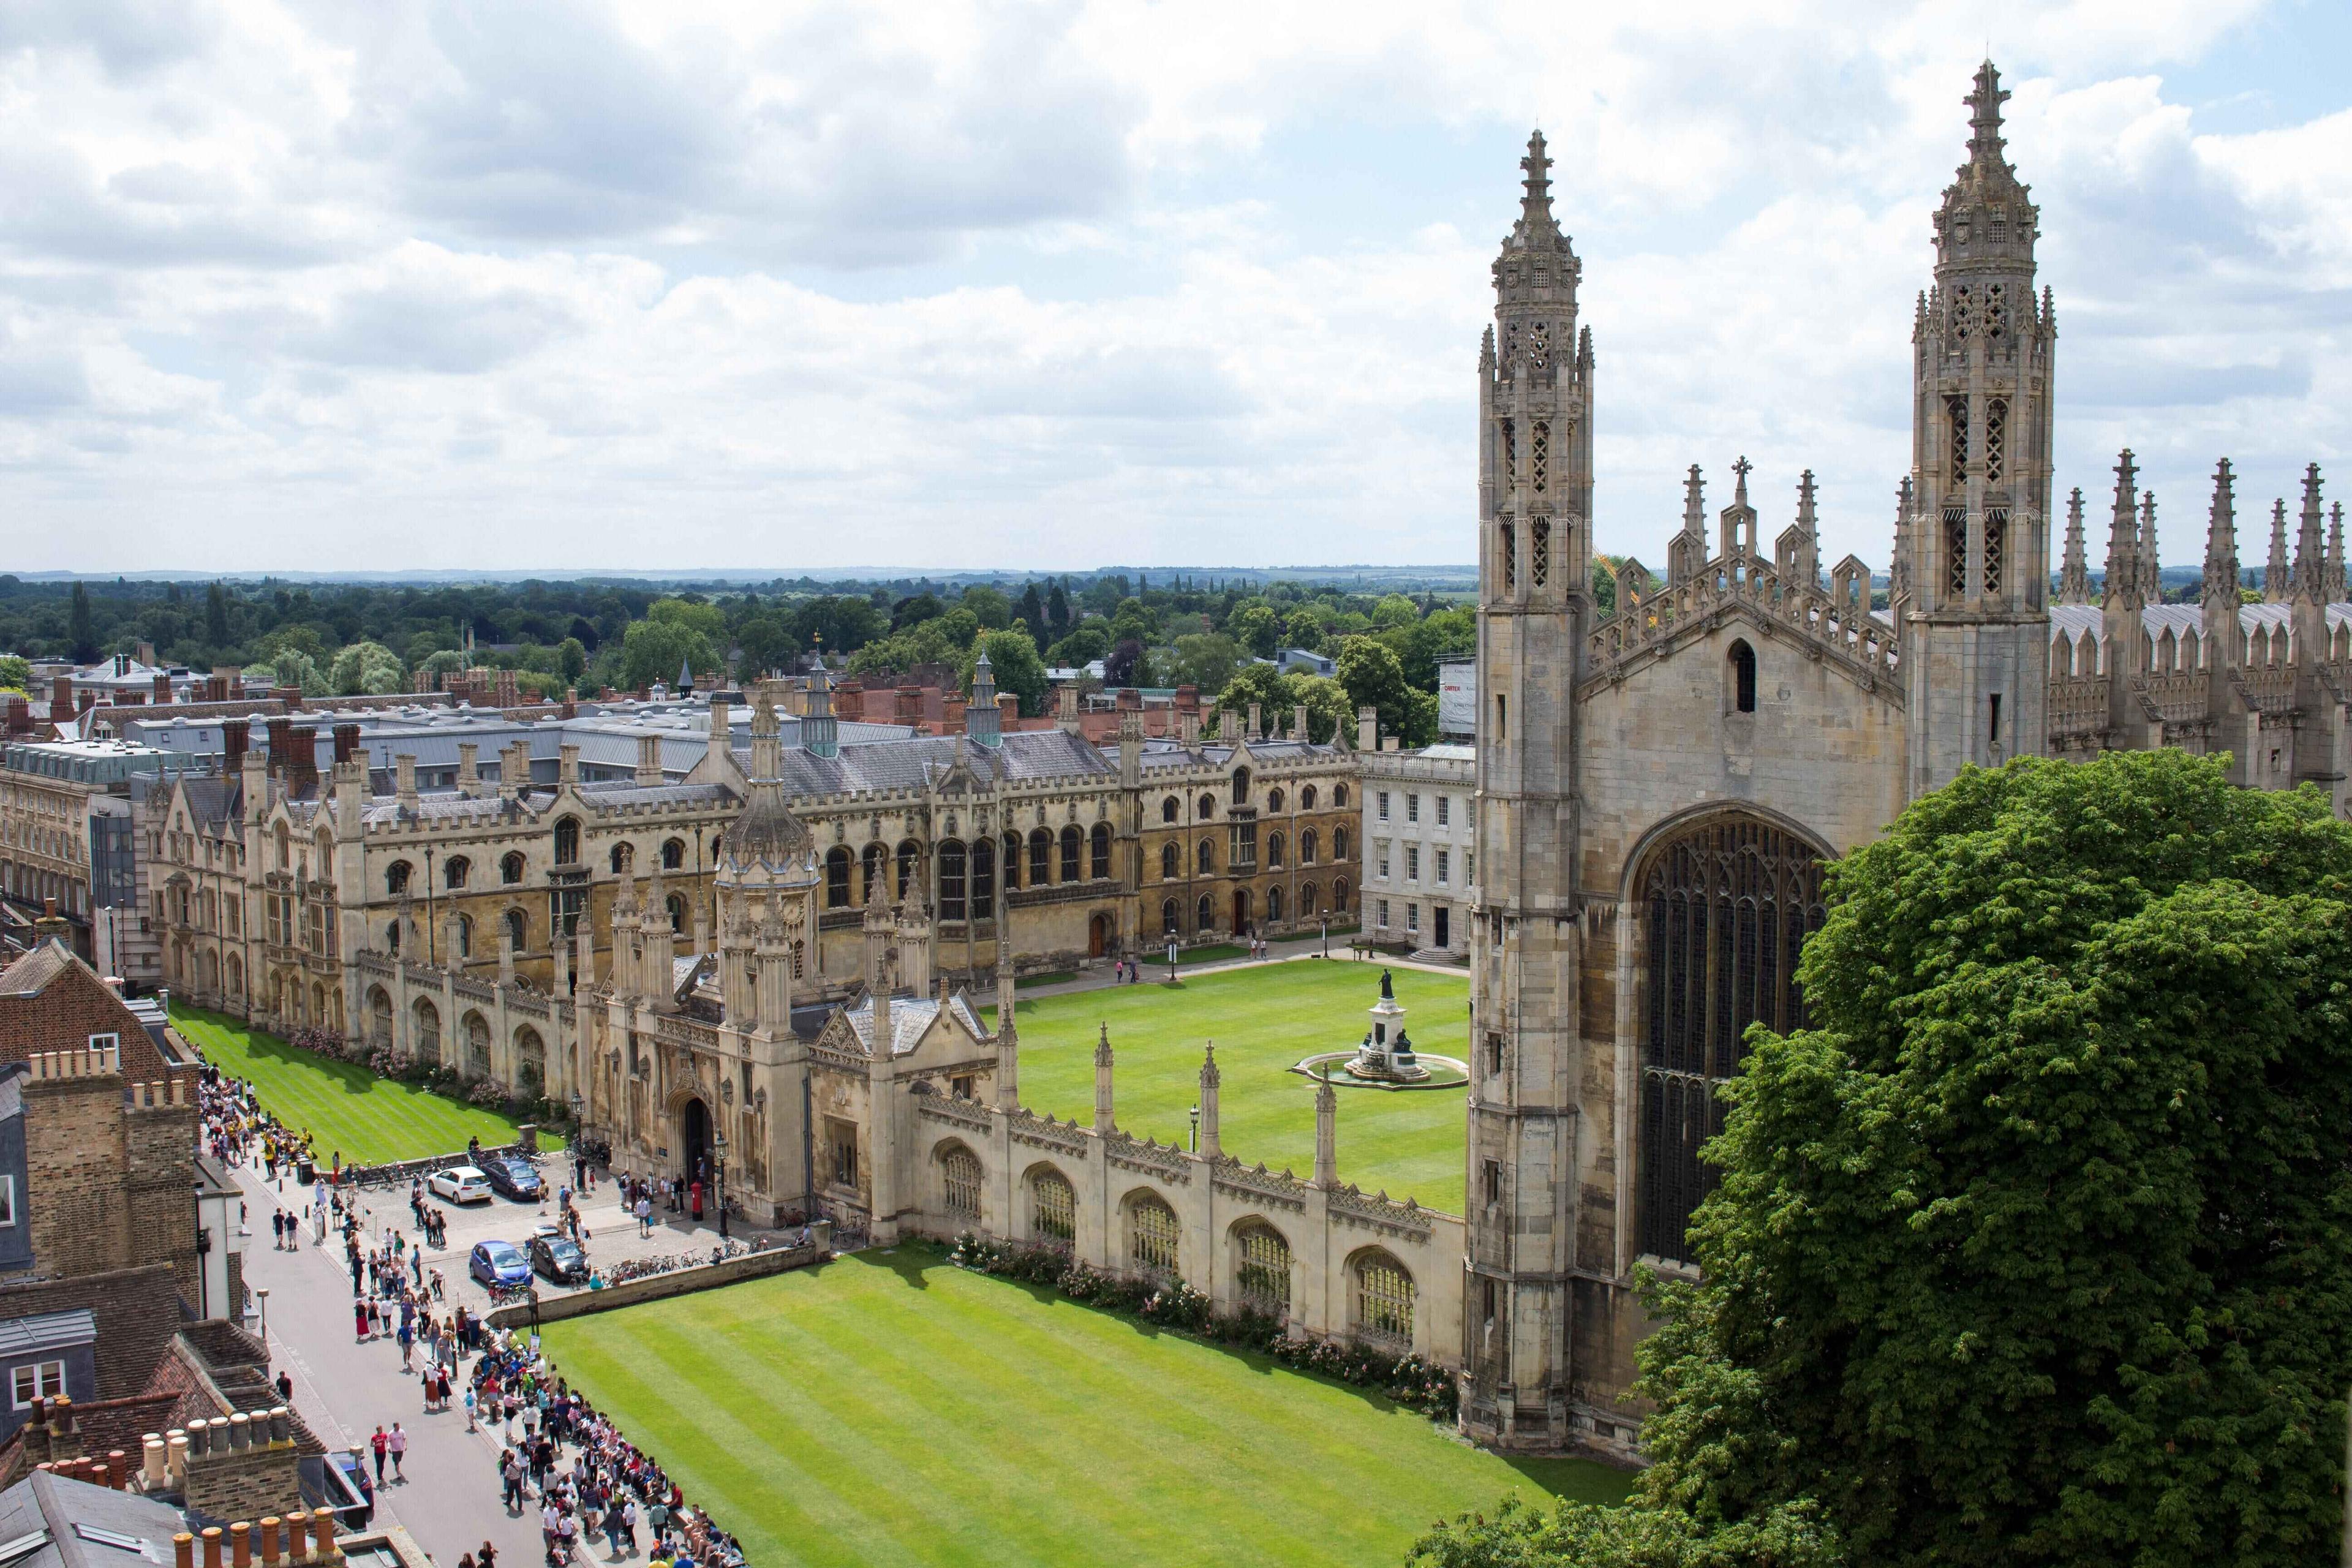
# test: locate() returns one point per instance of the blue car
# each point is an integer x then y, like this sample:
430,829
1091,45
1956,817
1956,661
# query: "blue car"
499,1263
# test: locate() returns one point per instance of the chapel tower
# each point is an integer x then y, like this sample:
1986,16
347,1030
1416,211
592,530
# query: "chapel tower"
1975,634
1535,509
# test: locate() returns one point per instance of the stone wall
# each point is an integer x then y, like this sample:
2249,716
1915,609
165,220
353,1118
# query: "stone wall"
678,1282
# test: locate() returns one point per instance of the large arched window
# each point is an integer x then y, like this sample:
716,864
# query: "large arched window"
567,841
1053,1209
1307,846
1273,851
837,863
1241,786
428,1031
1073,851
455,870
1099,856
395,877
465,936
1726,907
909,853
510,867
1274,800
675,905
1152,1235
1204,915
1274,902
1205,860
1739,677
1308,894
1208,806
1339,843
673,854
1307,798
1012,863
1170,810
952,883
518,930
959,1176
1339,797
625,856
1041,858
1168,918
1340,895
1171,862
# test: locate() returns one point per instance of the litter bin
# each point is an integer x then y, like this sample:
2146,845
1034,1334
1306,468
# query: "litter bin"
305,1172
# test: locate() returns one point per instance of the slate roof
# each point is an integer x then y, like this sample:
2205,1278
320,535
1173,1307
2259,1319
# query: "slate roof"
2075,621
914,764
909,1016
42,1504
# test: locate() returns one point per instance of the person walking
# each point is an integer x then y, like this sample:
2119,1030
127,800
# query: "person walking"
379,1442
511,1472
397,1446
644,1215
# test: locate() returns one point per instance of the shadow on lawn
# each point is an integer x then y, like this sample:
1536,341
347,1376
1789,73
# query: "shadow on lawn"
353,1077
913,1261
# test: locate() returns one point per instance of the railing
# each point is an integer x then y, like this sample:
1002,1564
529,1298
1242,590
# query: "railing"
1843,628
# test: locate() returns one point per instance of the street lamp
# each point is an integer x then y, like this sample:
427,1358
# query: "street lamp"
1327,936
263,1293
1172,961
1196,1130
719,1149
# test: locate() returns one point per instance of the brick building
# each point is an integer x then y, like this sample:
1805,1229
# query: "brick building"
98,1138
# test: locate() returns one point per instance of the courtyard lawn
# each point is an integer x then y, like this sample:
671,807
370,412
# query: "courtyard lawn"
889,1410
369,1120
1264,1019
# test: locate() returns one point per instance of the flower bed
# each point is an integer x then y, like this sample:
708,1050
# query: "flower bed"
1411,1380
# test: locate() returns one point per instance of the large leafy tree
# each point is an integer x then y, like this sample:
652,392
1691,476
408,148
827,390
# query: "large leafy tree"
2037,1248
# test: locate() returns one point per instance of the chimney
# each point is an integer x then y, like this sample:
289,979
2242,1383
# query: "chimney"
514,769
1066,706
404,786
292,697
163,684
236,736
1255,730
571,702
303,777
469,770
85,700
146,653
1188,725
1298,724
62,697
20,717
216,688
1368,729
347,742
721,734
1008,709
567,768
649,761
282,745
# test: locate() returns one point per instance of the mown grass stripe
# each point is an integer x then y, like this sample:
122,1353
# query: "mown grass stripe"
889,1410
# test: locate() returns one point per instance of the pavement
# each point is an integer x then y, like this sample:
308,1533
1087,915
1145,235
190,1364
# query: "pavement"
1154,968
449,1500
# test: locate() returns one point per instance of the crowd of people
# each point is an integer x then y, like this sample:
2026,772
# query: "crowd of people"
588,1481
608,1488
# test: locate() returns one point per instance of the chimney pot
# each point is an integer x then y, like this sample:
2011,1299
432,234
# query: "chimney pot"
269,1540
184,1550
212,1546
240,1539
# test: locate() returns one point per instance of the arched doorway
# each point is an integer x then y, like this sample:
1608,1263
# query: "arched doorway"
1241,911
693,1140
1098,937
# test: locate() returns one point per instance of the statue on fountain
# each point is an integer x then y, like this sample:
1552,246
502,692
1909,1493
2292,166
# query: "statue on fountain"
1387,1054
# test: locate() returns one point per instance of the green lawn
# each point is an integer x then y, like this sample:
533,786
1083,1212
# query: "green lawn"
367,1119
888,1410
1264,1019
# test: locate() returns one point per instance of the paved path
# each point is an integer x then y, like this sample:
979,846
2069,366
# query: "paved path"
1155,970
450,1499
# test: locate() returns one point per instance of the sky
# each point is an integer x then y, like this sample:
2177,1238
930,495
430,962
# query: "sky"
667,286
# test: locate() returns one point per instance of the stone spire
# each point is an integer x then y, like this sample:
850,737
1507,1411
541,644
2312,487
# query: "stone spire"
1740,470
2310,546
1210,1079
2074,570
1984,103
1327,1135
1898,570
2221,547
2336,587
1694,503
1535,207
2151,573
1103,1119
2275,570
2124,583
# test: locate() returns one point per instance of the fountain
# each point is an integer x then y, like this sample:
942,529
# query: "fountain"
1386,1058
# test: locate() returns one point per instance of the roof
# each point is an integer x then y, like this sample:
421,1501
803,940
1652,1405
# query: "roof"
77,1519
47,1331
909,1016
52,1001
2074,621
918,762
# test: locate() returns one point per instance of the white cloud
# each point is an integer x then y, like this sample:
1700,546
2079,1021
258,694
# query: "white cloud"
548,287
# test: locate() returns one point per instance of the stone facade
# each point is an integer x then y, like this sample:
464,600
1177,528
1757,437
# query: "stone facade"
270,882
1420,847
1658,789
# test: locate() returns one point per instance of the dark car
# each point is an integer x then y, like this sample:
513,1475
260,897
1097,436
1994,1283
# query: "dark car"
498,1263
559,1258
513,1177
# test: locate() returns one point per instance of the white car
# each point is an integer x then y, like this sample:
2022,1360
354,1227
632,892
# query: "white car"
459,1184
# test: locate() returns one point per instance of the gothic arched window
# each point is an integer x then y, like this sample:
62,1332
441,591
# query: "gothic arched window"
395,877
510,867
1099,858
1073,843
1041,858
836,878
1726,907
1171,863
1743,677
983,878
673,854
1168,810
951,879
567,841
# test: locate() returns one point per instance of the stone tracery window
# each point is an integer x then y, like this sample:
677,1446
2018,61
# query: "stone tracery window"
1539,459
951,880
1053,1209
1956,552
1726,907
1956,411
1540,550
1508,544
1996,439
1996,544
1152,1236
1385,1300
959,1172
1171,863
1265,1272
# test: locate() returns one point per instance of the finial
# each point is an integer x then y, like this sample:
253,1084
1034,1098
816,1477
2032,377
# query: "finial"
1742,469
1538,180
1984,114
2075,571
1805,518
1693,503
2274,570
